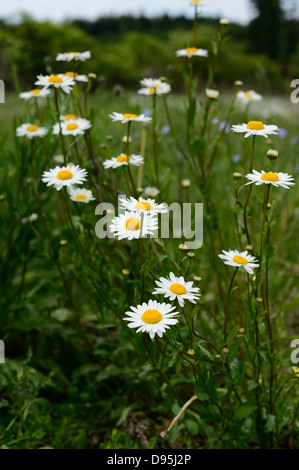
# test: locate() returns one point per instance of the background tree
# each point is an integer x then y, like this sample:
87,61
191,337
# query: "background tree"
265,30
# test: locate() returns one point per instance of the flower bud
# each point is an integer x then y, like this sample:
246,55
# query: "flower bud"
186,183
212,94
224,22
272,154
183,247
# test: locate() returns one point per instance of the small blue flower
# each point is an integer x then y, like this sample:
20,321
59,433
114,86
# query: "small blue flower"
224,125
215,121
147,112
165,129
236,158
282,133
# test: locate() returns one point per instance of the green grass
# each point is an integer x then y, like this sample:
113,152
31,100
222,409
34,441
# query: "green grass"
75,376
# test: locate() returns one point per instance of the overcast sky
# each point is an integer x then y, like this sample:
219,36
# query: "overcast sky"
58,10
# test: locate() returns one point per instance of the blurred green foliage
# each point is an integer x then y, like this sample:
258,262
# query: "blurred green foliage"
128,55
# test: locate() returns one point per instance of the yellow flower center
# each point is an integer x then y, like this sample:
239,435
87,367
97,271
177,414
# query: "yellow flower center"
122,158
81,197
255,125
55,79
71,74
129,116
36,91
75,53
152,90
178,289
64,175
240,259
143,205
151,316
71,126
70,116
189,50
248,95
133,224
270,177
31,128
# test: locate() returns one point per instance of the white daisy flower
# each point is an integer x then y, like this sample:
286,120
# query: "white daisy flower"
161,90
68,56
67,117
148,206
276,179
239,260
152,86
255,128
64,176
151,191
247,96
76,76
152,318
35,93
177,288
127,117
123,159
72,127
192,52
130,224
31,130
81,195
57,81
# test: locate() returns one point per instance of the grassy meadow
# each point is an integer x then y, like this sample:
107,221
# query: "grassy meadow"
75,375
